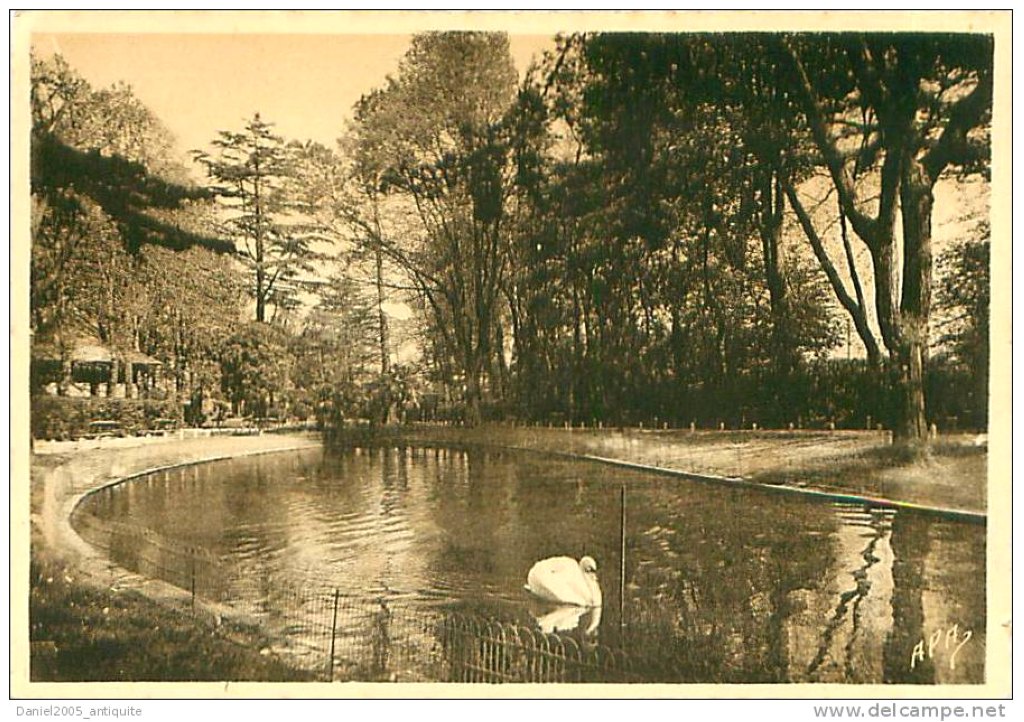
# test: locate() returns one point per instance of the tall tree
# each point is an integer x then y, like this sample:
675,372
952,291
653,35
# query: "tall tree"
256,368
671,227
58,96
109,202
919,105
106,146
362,208
195,302
250,169
432,141
82,280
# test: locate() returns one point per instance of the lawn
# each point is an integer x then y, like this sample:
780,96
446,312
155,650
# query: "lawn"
79,633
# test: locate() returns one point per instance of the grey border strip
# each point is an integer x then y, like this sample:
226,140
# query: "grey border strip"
974,517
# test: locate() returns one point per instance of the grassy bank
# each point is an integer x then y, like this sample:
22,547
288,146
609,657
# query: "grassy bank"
950,473
79,633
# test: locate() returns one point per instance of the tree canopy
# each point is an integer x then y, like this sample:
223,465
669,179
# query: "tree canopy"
643,227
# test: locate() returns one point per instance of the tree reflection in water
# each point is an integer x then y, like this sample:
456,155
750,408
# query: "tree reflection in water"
722,584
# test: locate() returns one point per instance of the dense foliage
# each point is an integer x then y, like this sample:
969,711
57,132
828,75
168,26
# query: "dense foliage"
62,418
643,228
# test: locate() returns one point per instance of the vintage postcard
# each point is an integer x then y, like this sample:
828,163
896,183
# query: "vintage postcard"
511,354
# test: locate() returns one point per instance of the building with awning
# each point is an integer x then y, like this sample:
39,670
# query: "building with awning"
91,363
142,370
90,367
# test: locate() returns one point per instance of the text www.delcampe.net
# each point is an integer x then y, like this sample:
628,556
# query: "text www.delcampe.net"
905,710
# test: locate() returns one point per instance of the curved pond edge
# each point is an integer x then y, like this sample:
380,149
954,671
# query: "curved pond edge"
99,568
67,486
810,493
97,565
79,499
67,539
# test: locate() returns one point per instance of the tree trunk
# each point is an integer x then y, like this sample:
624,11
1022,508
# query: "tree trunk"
889,77
858,313
261,302
473,415
915,304
382,318
770,227
578,379
911,424
500,371
883,255
65,370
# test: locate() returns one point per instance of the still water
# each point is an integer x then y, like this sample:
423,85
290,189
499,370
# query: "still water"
721,584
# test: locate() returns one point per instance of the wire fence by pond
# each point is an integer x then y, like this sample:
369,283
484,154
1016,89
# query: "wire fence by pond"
342,636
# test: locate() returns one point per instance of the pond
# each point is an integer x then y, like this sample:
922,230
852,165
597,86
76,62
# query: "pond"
721,584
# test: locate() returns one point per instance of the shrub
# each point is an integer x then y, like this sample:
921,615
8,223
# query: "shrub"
61,417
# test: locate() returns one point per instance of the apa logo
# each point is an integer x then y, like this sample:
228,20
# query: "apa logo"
941,640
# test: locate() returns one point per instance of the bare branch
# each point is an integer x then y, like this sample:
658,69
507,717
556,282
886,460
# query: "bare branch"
863,225
852,307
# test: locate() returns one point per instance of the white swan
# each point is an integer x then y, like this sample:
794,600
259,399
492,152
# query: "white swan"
566,581
568,619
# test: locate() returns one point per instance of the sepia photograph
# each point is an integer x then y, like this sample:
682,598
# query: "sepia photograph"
660,354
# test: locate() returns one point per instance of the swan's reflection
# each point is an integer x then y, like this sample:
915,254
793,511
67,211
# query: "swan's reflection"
567,618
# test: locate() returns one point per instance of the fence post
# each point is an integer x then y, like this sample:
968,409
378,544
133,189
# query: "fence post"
334,628
622,560
192,565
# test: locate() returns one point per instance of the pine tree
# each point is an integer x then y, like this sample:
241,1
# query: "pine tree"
250,170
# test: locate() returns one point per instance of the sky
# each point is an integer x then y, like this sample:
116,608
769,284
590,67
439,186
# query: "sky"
198,84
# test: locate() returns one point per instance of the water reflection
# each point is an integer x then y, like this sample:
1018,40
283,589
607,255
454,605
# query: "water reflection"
859,604
721,584
567,619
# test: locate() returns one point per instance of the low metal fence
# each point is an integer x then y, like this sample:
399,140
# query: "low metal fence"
341,636
491,651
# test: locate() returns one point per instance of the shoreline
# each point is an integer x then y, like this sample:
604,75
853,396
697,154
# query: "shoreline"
849,466
89,619
967,515
64,475
61,478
